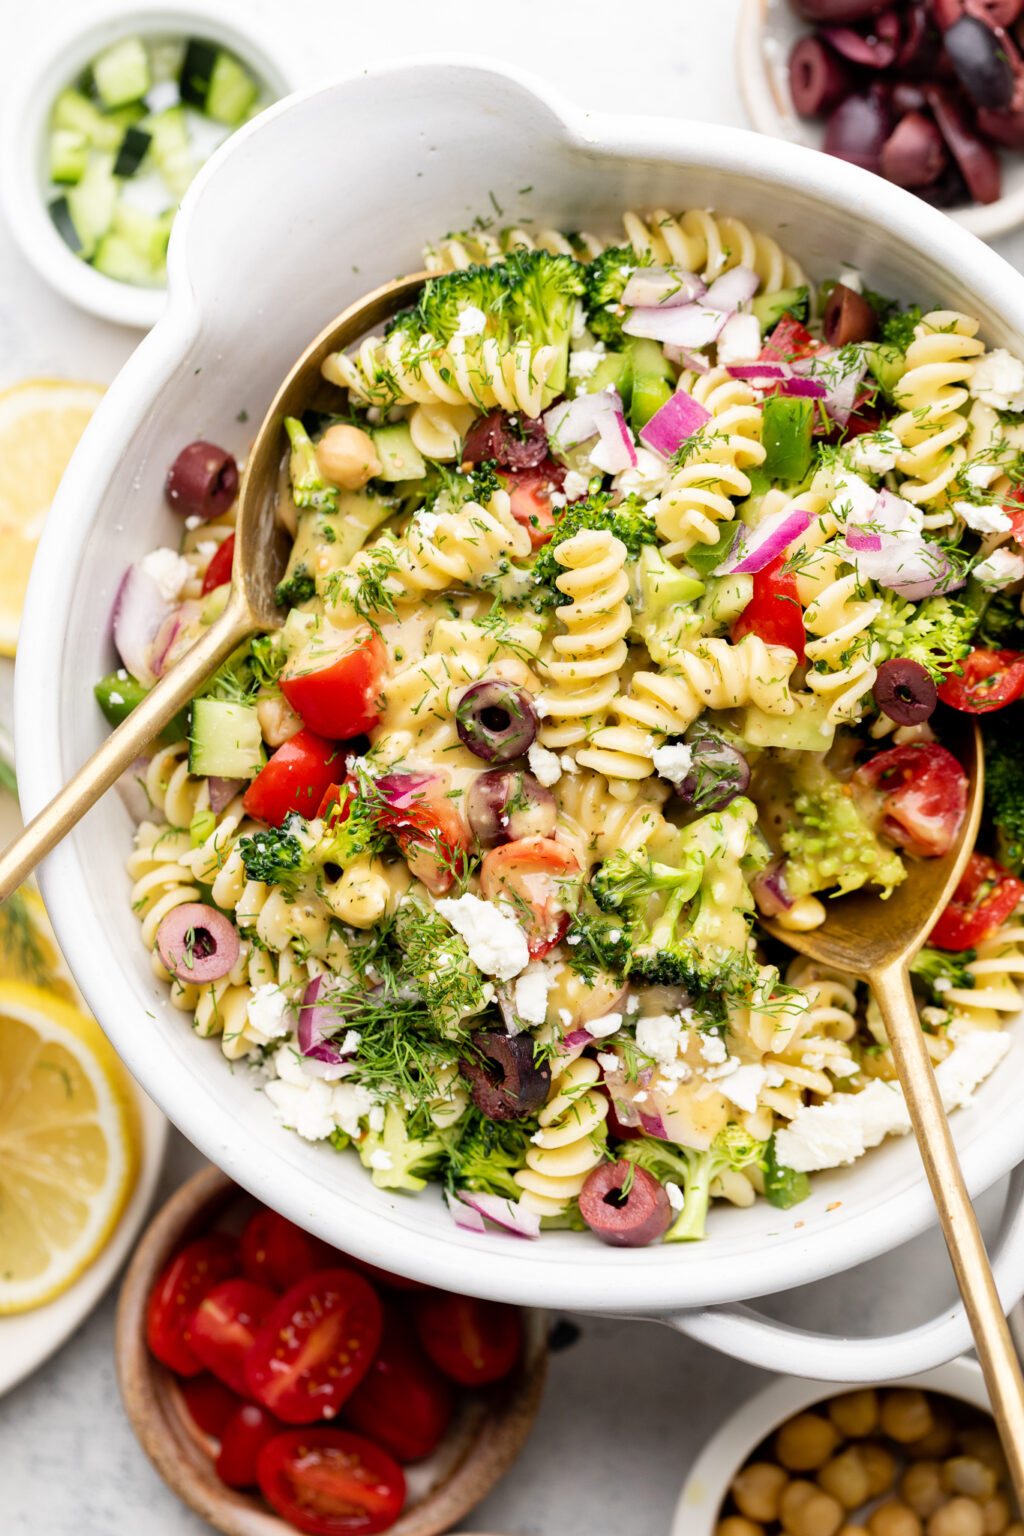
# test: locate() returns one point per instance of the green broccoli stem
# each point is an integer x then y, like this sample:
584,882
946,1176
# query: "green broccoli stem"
691,1223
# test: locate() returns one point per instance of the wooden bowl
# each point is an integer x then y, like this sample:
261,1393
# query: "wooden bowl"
484,1438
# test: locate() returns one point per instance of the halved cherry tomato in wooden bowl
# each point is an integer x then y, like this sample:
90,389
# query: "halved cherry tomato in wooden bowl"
541,880
296,778
315,1346
470,1340
924,795
990,680
277,1253
224,1325
336,688
403,1402
774,613
245,1434
328,1482
219,569
209,1402
196,1269
984,898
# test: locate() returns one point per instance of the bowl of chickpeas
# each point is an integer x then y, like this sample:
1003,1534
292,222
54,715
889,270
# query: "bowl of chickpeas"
919,1457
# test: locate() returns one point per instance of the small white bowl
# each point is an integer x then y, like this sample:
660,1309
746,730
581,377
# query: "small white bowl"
765,35
24,177
704,1491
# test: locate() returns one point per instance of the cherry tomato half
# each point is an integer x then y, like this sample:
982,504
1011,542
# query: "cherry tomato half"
403,1402
924,795
530,492
196,1269
541,878
991,680
789,339
209,1402
328,1482
774,613
224,1325
472,1341
277,1253
337,691
219,569
245,1434
296,778
416,810
315,1346
985,896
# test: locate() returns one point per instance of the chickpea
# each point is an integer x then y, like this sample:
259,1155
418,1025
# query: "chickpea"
922,1487
968,1475
805,1511
855,1414
735,1525
960,1517
880,1467
982,1442
346,457
806,1442
937,1444
906,1415
845,1477
756,1490
278,721
996,1514
894,1518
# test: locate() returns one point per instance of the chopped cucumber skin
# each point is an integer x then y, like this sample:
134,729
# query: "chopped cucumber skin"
121,73
650,393
225,740
91,203
77,113
769,308
132,151
69,154
197,72
232,91
616,369
60,213
399,457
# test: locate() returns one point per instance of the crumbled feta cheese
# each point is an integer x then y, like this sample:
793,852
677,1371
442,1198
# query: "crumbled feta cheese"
876,452
712,1048
578,323
427,523
722,1069
564,1017
497,944
675,1195
286,1063
743,1086
673,762
657,1035
647,478
1000,568
380,1158
544,765
575,485
269,1012
122,674
308,1110
852,279
641,1096
537,1138
350,1044
632,1004
558,499
584,362
471,321
531,992
375,1118
981,475
193,522
115,698
739,340
983,519
608,1024
674,1072
852,495
169,570
608,1061
568,763
998,380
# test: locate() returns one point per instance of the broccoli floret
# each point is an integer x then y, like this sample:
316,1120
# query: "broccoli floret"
606,278
629,521
277,856
695,1171
398,1160
625,883
297,588
485,1154
935,633
898,328
829,844
542,291
309,488
597,943
1003,732
941,969
268,659
444,299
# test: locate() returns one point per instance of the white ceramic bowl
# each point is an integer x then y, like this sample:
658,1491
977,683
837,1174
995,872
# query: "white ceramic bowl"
765,34
458,136
704,1491
24,179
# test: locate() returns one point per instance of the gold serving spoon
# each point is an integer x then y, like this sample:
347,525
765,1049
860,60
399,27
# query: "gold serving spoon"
261,552
876,942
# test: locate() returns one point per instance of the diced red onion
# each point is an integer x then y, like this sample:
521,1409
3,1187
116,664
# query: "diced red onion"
140,609
771,536
841,389
619,453
732,289
911,566
689,325
133,792
463,1215
870,543
177,624
654,1125
808,389
578,1037
761,370
318,1020
769,889
692,360
509,1214
667,287
223,791
673,423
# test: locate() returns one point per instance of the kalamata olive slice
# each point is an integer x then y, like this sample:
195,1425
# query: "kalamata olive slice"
995,13
513,442
625,1205
496,721
876,49
839,10
1007,128
907,97
848,317
980,61
717,775
978,162
914,154
947,13
905,691
857,129
818,78
202,482
505,804
197,943
507,1084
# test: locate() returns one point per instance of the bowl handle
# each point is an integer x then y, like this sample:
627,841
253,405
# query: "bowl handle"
742,1331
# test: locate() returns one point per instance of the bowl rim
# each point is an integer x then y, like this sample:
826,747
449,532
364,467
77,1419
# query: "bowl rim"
760,97
596,1278
24,128
741,1431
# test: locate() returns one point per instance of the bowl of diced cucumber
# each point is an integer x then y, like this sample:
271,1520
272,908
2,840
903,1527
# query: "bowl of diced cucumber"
104,142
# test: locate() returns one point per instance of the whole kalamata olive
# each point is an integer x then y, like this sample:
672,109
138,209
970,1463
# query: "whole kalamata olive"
978,161
505,804
875,50
202,482
718,773
995,13
496,721
818,78
839,10
508,1084
625,1205
1006,128
914,154
857,129
513,442
980,61
848,317
905,691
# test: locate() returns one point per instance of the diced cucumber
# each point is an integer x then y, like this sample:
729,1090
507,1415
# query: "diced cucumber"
648,357
75,112
170,148
616,369
91,203
887,364
118,258
225,740
60,213
121,72
725,598
650,393
806,730
69,152
358,514
769,308
400,458
231,93
132,151
197,71
146,234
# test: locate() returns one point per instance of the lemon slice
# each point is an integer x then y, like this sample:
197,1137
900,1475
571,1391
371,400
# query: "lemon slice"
28,947
67,1144
41,421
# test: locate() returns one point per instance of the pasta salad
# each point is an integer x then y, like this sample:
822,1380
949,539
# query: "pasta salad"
626,579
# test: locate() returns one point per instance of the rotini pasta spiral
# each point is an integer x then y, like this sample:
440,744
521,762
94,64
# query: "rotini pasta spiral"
595,826
171,789
701,493
998,973
437,430
160,880
699,242
932,395
473,247
570,1141
583,672
476,370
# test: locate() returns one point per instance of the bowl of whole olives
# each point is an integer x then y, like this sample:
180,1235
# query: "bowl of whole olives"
927,93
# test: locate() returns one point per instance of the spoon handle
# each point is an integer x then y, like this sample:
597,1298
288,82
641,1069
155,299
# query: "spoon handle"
123,745
971,1266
